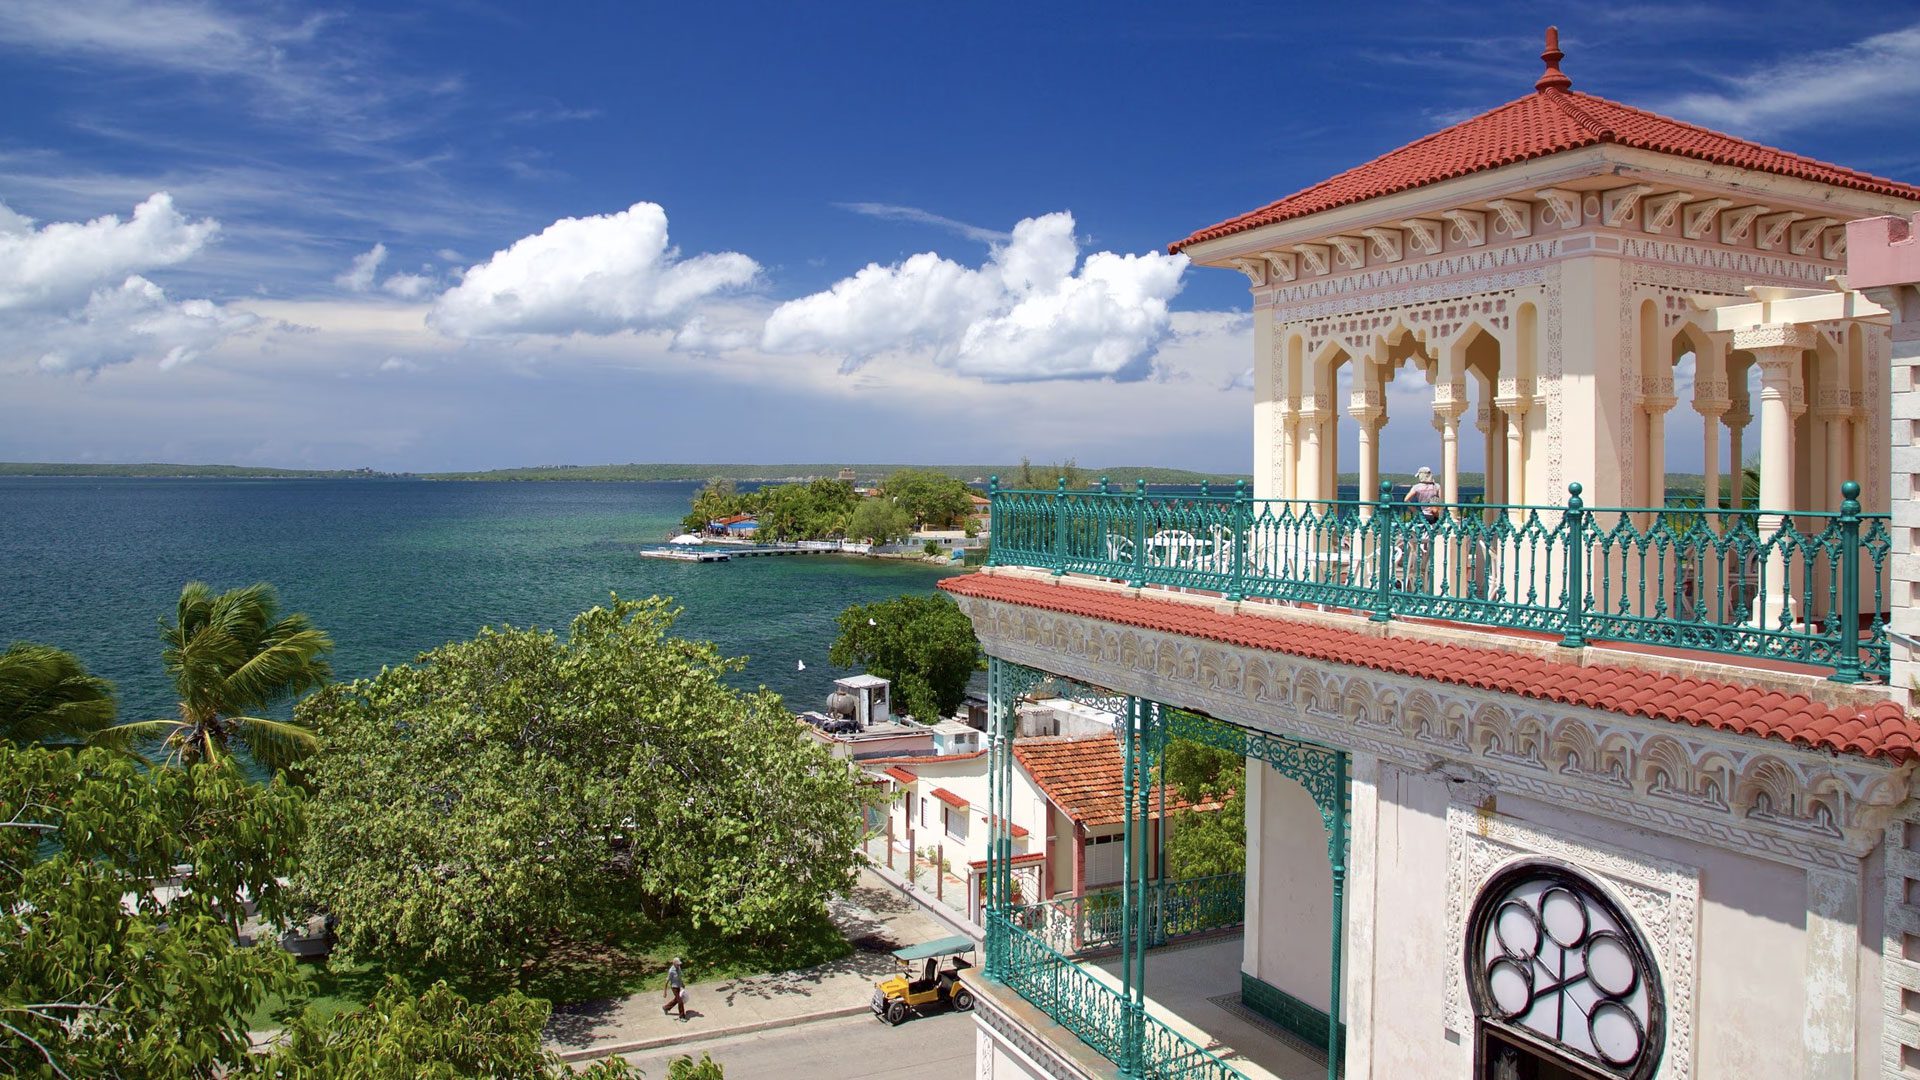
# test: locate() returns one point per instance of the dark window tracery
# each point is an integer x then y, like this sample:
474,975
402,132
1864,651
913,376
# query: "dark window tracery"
1554,964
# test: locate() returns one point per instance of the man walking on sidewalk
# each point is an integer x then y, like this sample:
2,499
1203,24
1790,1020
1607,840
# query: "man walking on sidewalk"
676,990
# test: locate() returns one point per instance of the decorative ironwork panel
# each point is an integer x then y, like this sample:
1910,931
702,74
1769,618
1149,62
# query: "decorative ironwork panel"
1797,586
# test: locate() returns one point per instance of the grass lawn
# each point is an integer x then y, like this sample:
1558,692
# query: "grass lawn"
630,961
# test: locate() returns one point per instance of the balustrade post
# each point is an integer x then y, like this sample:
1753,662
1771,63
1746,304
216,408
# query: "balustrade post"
1241,532
993,515
1383,555
1846,660
1139,534
1060,527
1576,602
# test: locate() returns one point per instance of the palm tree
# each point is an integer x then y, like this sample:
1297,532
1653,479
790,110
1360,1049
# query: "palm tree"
230,656
46,696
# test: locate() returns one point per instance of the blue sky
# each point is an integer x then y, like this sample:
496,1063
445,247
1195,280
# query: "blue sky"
786,232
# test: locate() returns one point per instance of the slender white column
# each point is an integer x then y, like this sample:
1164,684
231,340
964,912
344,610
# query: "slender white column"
1737,421
1449,402
1516,410
1710,414
1368,419
1289,454
1777,348
1362,927
1308,486
1832,973
1654,481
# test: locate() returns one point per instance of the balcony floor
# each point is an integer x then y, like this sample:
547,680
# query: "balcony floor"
1182,980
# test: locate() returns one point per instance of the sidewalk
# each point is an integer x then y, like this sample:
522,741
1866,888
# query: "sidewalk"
945,888
876,918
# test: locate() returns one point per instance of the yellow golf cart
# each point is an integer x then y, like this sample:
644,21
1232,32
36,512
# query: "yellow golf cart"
930,976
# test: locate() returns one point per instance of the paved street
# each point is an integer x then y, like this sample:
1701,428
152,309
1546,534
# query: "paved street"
937,1047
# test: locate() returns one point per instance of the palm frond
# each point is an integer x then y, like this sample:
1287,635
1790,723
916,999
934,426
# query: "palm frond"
277,744
128,737
46,695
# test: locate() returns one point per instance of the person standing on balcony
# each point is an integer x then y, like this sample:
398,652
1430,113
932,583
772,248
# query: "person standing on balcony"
1416,556
1425,494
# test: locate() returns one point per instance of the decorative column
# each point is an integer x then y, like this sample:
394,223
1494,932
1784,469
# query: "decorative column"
1514,400
1656,398
1449,403
1487,424
1289,486
1777,348
1710,414
1307,474
1369,415
1737,420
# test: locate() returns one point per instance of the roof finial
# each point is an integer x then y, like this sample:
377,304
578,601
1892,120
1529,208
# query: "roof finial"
1553,78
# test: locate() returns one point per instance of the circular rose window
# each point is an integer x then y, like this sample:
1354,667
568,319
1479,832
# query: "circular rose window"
1559,971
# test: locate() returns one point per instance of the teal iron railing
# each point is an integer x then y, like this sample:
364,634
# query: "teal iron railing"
1800,587
1098,1015
1079,925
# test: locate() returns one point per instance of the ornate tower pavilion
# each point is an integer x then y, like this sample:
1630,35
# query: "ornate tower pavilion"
1585,778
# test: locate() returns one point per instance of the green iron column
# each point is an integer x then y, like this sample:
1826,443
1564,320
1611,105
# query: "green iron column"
1005,683
1337,858
1129,1062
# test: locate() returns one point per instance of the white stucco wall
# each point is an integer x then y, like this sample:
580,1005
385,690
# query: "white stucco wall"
1291,949
1747,1007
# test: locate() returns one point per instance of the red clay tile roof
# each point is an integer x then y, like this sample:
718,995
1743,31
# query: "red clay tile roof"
1881,730
1018,829
949,798
1548,121
925,759
1017,860
1083,778
901,775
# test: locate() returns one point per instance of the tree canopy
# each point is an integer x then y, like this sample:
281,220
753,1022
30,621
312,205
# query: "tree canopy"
879,521
437,1035
923,644
1202,844
157,986
934,500
47,696
518,786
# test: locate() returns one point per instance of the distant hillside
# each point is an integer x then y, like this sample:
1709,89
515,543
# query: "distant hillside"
164,471
863,473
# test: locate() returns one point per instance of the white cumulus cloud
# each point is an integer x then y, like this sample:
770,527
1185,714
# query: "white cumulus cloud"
590,275
359,275
64,261
408,286
135,321
1034,310
73,296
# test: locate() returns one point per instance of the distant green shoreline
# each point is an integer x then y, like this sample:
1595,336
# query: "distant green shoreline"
578,473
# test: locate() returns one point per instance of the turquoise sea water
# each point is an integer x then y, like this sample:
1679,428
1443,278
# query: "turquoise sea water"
391,568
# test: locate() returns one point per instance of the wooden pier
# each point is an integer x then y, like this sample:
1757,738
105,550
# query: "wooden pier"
703,554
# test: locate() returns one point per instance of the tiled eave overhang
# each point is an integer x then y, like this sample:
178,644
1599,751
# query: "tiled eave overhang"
1749,766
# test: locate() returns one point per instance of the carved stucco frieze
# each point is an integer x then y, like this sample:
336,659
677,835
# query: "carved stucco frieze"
1770,799
1663,898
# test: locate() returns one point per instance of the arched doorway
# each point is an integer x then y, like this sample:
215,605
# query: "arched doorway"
1564,986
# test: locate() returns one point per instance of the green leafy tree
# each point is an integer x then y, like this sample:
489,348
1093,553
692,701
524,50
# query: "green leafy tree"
685,1068
437,1035
1204,843
716,499
521,788
923,644
934,500
879,521
46,696
158,985
231,656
